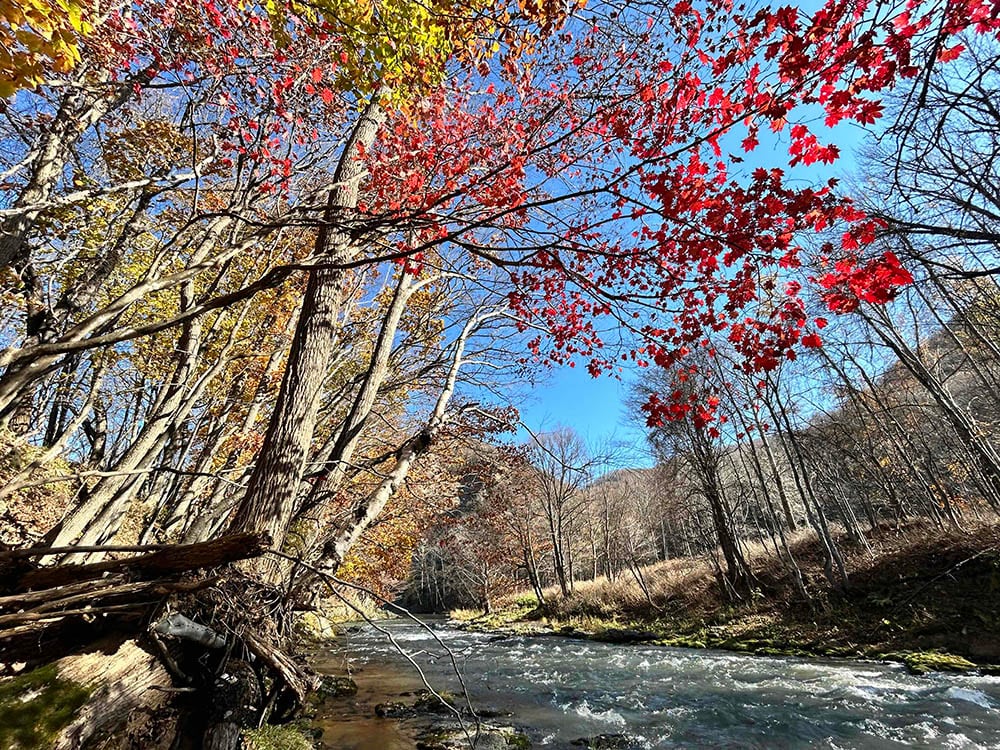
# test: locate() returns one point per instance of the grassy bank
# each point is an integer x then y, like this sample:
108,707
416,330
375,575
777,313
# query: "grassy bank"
925,597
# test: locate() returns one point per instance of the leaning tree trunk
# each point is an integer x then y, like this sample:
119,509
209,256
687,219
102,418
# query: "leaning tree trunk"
972,436
338,456
85,523
336,546
270,499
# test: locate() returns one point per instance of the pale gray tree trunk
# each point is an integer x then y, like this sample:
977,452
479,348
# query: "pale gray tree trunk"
342,540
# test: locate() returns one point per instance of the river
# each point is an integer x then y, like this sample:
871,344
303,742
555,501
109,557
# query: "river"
560,689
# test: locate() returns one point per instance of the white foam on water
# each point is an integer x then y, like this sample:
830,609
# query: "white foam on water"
618,660
970,696
931,735
656,693
878,693
929,731
959,742
934,736
584,711
417,635
540,678
674,712
877,728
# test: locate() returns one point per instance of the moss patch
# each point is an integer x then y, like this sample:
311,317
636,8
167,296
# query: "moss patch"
274,737
36,706
922,662
517,741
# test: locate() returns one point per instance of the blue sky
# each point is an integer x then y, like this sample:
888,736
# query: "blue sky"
596,408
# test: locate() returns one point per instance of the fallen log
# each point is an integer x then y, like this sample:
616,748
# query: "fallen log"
82,696
133,595
14,602
163,562
182,606
121,684
49,612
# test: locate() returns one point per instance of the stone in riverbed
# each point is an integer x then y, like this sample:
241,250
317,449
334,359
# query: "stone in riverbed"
394,710
330,687
452,737
625,635
336,686
604,742
428,703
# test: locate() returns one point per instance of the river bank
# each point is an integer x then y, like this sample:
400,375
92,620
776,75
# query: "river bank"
941,614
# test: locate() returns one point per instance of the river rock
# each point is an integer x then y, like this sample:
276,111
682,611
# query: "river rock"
604,742
489,713
453,737
336,686
625,635
394,710
426,704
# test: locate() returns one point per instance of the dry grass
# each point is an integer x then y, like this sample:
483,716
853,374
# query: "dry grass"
688,588
685,584
922,595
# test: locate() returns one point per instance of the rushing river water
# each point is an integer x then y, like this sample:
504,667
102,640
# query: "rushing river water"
560,689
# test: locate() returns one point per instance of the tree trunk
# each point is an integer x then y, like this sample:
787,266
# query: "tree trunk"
270,499
336,546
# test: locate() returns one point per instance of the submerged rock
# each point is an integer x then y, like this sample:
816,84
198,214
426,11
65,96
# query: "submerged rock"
426,703
394,710
336,686
454,737
604,742
433,704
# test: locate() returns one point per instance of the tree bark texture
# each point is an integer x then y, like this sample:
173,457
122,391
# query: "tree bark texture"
270,499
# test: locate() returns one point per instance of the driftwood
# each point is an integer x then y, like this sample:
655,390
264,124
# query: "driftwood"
293,676
29,598
59,602
163,562
122,682
50,611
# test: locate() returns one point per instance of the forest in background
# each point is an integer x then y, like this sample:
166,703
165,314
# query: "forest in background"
274,281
